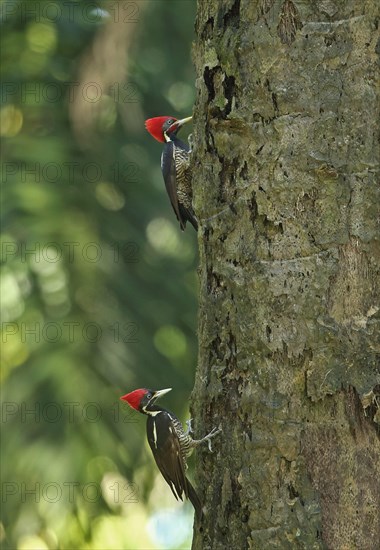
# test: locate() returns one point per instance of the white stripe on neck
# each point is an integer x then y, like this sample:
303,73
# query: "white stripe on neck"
151,413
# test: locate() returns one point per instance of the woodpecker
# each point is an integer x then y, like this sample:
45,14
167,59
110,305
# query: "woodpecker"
175,166
170,444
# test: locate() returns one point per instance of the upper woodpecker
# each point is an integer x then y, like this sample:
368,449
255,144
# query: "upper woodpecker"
175,166
170,444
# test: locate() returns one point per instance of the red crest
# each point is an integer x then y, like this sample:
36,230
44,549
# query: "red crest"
134,398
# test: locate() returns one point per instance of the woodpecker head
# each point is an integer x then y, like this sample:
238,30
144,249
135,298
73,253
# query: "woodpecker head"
162,128
143,400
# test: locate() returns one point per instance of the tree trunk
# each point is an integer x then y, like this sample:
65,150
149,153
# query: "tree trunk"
285,162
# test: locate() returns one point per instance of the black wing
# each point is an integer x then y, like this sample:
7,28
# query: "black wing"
166,450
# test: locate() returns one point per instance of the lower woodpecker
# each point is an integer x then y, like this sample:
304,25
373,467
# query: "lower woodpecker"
170,444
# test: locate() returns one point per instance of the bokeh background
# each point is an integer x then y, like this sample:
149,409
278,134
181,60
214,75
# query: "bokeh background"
98,283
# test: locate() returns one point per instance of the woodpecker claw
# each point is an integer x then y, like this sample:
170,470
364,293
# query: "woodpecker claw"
190,141
215,431
189,427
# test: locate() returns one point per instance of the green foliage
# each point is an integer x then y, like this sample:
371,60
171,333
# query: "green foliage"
98,282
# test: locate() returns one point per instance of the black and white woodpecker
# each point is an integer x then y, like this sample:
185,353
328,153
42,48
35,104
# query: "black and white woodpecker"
175,166
170,444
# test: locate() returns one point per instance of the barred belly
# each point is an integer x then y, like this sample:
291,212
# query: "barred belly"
185,441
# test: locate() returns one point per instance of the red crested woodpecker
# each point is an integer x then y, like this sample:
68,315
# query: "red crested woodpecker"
170,444
175,166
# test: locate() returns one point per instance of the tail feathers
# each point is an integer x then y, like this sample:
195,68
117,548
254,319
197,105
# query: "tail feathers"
194,499
187,215
193,220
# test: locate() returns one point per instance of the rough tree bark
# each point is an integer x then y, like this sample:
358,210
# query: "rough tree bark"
285,164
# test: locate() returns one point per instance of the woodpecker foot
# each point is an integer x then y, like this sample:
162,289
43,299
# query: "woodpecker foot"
208,437
215,431
189,427
190,141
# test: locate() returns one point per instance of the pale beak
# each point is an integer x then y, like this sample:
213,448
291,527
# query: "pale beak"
179,123
159,393
184,120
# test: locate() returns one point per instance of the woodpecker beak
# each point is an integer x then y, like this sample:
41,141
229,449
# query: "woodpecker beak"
159,393
184,120
179,123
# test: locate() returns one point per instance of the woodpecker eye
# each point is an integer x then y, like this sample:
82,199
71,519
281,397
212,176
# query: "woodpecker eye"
149,395
170,121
